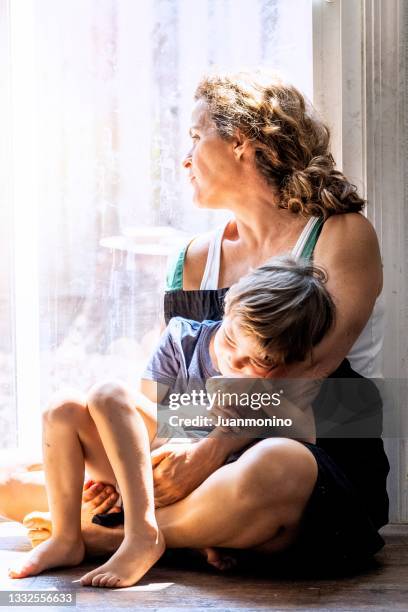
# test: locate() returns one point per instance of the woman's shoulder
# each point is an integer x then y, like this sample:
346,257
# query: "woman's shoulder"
348,249
195,260
347,231
197,253
352,222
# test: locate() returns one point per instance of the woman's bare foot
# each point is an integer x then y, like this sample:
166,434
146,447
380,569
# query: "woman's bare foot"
55,552
129,564
219,558
39,527
97,499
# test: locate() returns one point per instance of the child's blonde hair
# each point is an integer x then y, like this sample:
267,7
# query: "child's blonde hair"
285,306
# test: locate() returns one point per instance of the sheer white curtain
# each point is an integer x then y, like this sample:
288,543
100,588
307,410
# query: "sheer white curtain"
8,413
105,89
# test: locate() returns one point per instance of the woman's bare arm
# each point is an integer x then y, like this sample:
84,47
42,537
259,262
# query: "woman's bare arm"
349,252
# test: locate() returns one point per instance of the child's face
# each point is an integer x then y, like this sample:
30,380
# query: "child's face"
237,353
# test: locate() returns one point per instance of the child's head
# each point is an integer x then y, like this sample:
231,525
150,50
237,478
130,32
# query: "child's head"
274,315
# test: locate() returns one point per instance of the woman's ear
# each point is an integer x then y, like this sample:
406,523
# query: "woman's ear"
241,145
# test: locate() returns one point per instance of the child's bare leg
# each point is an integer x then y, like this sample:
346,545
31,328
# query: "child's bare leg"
64,469
126,441
71,421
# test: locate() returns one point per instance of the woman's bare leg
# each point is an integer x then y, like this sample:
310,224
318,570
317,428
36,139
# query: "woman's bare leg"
21,493
255,503
205,518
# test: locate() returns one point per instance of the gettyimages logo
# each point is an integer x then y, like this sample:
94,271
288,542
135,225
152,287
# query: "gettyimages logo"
235,405
302,409
207,400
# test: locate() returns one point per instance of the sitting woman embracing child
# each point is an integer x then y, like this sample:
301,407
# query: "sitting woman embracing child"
274,316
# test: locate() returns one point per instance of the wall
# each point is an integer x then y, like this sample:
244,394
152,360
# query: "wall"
361,77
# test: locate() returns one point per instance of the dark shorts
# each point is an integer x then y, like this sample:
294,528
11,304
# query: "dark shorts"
339,530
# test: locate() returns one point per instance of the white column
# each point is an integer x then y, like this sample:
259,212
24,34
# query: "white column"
386,26
360,87
327,69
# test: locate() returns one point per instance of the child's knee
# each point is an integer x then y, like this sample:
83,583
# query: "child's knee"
68,406
109,395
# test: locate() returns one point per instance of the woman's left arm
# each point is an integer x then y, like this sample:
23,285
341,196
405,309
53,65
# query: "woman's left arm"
349,252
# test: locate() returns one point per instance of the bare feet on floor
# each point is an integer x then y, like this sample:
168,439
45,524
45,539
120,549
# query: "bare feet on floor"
129,564
54,552
218,558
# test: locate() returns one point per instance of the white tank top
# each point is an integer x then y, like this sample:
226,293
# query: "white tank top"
365,355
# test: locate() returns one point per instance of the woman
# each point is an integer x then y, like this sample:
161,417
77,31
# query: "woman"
261,152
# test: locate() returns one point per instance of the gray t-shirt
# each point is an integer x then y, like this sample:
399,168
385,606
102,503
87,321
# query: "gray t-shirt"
182,355
182,362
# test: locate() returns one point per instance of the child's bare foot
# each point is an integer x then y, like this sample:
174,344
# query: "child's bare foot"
131,561
55,552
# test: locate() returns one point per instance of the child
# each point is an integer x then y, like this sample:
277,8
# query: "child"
273,316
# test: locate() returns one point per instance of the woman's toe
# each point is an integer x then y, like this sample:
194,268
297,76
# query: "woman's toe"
38,520
228,563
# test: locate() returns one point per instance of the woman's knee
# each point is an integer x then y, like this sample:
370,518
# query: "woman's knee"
67,406
8,492
10,485
277,471
20,493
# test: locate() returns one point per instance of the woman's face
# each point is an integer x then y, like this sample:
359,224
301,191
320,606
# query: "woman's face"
213,167
237,353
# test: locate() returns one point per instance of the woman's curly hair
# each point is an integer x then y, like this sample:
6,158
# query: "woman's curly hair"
291,143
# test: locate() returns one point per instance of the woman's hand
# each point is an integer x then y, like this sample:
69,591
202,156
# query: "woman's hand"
178,469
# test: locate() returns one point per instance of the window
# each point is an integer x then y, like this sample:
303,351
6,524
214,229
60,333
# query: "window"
8,414
102,92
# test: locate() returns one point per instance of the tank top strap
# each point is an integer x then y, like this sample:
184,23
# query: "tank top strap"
212,265
307,252
174,275
307,240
